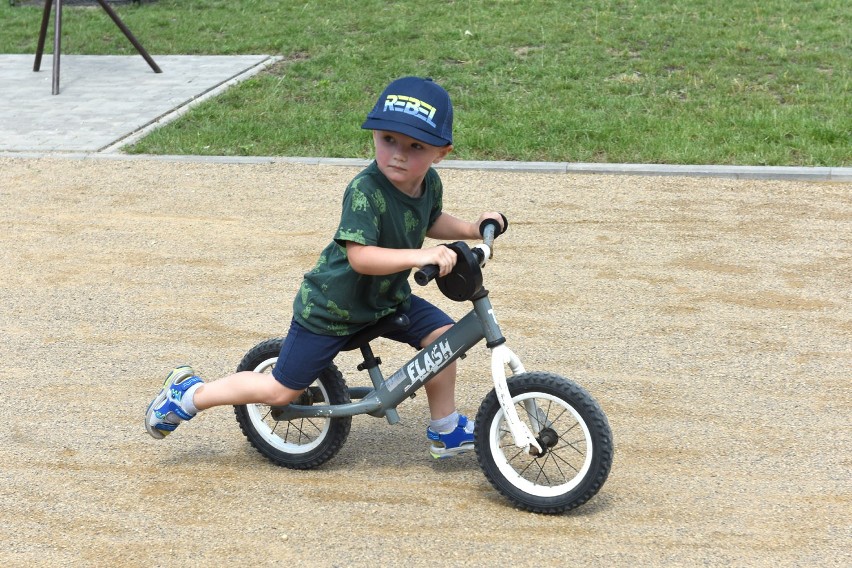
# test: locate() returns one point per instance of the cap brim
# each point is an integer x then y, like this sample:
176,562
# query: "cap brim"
407,129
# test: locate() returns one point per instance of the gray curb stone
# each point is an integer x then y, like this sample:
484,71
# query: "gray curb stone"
736,172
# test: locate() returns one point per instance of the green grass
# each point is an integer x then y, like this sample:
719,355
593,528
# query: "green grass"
762,82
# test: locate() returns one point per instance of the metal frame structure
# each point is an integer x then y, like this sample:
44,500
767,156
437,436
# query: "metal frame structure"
57,38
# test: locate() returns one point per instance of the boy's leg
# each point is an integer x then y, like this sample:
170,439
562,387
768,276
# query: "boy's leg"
183,394
449,432
441,390
244,388
428,322
303,356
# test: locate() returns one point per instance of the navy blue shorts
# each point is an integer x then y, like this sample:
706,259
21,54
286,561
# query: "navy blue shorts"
305,354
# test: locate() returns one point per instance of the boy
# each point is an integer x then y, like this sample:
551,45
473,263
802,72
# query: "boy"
362,275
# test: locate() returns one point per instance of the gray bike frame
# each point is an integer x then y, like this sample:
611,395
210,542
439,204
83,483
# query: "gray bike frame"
386,395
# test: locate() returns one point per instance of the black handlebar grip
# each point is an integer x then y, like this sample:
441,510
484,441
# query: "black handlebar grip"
427,274
497,230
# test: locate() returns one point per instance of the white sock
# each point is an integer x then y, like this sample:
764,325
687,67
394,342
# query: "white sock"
446,424
186,401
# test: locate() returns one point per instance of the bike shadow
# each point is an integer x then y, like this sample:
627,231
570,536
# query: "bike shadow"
384,445
374,453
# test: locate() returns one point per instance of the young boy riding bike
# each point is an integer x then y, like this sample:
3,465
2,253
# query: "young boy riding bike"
362,275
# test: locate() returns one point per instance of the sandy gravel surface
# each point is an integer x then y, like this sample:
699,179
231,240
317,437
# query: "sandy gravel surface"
710,318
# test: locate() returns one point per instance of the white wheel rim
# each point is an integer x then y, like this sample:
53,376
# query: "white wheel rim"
497,440
257,413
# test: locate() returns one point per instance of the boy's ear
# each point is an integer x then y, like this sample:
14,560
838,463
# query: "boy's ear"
444,150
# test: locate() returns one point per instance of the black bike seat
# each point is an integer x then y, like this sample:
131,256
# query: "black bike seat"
388,324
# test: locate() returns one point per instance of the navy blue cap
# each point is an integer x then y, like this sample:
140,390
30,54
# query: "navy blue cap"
416,107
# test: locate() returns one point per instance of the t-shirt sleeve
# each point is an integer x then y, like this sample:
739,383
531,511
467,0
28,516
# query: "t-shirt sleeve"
438,201
359,219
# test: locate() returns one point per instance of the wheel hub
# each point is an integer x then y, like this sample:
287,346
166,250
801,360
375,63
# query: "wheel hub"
547,439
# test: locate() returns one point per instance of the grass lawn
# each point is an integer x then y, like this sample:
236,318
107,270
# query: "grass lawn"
764,82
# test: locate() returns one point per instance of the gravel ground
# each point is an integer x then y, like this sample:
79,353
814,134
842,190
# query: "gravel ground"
709,317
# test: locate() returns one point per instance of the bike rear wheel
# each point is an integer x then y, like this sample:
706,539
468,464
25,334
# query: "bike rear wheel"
302,443
570,427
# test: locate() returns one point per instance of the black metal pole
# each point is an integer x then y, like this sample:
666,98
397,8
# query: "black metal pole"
129,35
42,34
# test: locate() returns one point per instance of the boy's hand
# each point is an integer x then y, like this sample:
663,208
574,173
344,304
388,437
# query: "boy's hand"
450,228
442,256
489,215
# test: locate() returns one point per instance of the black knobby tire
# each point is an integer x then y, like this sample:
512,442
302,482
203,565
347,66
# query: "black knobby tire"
567,422
302,443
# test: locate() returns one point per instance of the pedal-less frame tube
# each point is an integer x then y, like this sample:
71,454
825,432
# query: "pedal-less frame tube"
419,370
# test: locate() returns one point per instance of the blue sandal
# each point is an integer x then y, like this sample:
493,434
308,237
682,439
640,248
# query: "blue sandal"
453,443
165,411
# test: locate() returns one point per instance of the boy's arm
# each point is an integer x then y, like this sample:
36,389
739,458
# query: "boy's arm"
447,227
377,261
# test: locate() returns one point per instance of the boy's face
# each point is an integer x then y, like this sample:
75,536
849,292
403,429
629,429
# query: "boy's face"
405,160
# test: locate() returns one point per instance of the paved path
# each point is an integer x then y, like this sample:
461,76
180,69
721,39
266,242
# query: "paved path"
105,99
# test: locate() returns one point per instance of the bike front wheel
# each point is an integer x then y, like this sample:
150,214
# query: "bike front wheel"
301,443
570,427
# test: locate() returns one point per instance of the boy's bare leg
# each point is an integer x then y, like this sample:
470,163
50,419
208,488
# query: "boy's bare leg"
244,388
450,432
441,390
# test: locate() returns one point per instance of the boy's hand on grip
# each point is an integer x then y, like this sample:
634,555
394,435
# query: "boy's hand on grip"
493,218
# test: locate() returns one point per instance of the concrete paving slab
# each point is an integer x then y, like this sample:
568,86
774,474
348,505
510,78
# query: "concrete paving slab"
104,99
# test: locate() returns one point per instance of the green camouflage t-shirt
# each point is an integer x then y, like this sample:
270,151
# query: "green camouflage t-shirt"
336,300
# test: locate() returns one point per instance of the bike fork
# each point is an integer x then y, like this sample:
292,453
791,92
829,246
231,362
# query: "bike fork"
501,356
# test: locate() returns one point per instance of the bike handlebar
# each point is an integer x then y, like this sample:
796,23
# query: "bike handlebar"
489,229
426,274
